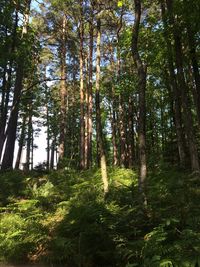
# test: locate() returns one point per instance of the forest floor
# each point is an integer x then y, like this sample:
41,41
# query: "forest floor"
62,218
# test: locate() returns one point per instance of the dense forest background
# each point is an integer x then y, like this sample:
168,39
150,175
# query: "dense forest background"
116,86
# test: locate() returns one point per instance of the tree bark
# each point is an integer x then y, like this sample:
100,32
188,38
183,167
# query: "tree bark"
142,72
113,108
83,144
48,135
52,154
195,67
63,91
90,93
188,120
6,90
29,140
114,129
7,162
176,93
122,131
130,137
21,142
99,131
122,126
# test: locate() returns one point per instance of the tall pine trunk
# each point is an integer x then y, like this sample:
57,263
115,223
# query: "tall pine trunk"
122,131
130,134
21,142
6,89
7,162
83,144
90,94
52,153
113,111
122,126
48,136
99,131
29,140
142,73
63,91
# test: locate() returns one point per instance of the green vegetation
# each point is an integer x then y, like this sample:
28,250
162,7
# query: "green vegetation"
112,87
62,218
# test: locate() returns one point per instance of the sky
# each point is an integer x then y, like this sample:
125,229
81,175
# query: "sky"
39,154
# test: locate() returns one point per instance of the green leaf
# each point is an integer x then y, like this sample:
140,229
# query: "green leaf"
120,3
166,263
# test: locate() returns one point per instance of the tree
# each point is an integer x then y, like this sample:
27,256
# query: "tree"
100,143
188,120
63,90
142,73
7,161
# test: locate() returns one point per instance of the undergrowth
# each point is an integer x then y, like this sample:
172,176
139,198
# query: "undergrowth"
63,218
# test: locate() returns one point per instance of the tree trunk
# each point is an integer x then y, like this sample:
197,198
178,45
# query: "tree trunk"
52,154
130,137
7,161
122,131
122,127
90,95
63,91
52,157
21,142
32,148
4,114
3,93
188,120
6,90
29,139
113,108
142,72
83,144
196,74
99,131
48,136
176,93
114,130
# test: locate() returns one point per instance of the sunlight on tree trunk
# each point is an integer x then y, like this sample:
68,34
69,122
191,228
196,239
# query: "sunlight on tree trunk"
100,143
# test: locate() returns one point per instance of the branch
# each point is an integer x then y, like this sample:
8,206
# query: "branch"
41,81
